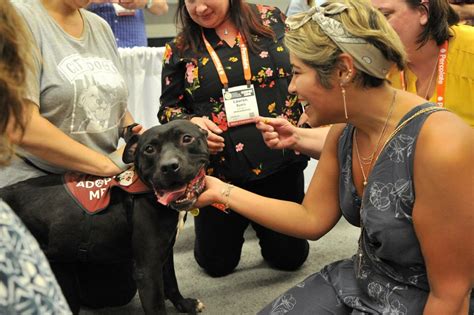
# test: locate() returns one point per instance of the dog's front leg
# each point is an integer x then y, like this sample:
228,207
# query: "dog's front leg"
152,236
183,305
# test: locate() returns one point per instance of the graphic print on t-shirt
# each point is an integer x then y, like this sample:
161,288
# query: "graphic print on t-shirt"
97,84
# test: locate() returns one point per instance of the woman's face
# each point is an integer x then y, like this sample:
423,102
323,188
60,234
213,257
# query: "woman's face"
208,13
407,22
321,101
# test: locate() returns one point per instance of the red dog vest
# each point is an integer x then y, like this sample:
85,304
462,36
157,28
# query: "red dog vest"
92,193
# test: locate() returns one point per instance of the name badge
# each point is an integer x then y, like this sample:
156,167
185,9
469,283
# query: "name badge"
240,105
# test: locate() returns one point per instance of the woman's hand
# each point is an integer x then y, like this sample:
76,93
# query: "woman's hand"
212,194
278,133
214,142
133,4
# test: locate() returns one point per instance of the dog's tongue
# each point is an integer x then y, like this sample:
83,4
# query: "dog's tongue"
196,186
166,197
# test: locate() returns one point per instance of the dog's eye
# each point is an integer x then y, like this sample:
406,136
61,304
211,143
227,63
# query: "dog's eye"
149,149
187,139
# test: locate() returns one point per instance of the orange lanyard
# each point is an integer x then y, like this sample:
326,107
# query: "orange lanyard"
441,79
220,68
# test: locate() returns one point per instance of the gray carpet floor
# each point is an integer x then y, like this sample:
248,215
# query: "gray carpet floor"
253,284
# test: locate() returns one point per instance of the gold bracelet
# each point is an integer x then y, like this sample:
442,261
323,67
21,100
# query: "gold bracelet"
226,193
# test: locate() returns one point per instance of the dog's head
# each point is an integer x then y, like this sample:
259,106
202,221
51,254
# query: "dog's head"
172,159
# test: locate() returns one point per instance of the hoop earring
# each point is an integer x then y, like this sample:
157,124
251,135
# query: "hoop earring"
343,91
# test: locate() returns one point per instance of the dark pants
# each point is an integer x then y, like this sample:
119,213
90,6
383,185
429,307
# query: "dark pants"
219,236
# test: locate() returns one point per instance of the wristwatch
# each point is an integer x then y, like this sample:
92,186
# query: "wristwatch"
149,4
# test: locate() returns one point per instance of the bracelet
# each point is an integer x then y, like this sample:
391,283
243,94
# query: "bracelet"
149,4
226,193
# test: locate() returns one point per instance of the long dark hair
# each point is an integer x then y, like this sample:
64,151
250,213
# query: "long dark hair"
440,17
242,14
14,58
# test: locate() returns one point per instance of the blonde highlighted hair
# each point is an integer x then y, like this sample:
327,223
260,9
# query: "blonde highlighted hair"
312,46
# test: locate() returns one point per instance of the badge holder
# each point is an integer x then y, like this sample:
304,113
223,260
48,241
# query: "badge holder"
240,104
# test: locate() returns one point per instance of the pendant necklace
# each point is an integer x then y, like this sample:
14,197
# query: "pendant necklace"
371,157
226,32
431,81
369,160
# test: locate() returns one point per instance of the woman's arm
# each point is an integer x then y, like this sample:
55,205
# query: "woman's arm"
158,7
278,133
318,213
173,99
46,141
443,215
173,92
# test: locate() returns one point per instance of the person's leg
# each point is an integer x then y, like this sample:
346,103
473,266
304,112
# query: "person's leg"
219,240
106,285
282,251
312,296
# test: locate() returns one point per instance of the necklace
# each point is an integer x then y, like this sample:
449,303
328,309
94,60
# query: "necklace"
431,81
369,160
360,252
226,32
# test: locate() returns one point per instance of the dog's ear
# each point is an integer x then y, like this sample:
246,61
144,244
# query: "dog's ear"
127,132
130,148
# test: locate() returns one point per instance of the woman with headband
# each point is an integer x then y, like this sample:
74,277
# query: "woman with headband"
385,167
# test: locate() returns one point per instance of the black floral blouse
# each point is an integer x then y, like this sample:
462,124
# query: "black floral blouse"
191,87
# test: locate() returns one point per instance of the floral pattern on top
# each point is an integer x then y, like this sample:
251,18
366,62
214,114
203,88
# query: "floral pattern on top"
191,87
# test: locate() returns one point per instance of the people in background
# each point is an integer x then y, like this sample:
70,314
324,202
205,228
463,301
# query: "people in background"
393,164
465,10
127,19
27,283
76,101
440,53
227,66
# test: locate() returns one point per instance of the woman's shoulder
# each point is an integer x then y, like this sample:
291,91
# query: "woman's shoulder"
26,7
31,12
463,38
94,19
269,15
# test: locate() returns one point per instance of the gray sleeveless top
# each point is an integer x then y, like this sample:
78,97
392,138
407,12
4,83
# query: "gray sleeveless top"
391,274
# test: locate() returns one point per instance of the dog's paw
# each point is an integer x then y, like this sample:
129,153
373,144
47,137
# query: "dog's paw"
190,306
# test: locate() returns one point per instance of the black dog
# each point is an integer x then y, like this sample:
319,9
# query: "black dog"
134,233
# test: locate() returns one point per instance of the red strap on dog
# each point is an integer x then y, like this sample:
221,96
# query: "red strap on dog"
92,193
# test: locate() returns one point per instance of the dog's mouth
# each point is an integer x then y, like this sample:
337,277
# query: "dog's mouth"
184,197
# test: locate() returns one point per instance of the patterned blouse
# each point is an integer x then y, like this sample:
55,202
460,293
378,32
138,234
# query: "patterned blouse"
191,87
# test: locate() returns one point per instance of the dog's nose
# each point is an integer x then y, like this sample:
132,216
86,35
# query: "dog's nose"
169,167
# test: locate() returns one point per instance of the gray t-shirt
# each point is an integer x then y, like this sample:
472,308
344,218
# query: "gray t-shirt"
78,86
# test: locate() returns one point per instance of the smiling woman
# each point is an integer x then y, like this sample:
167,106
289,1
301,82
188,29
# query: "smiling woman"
376,170
227,66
